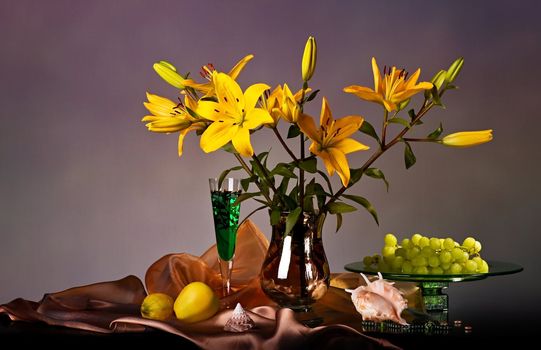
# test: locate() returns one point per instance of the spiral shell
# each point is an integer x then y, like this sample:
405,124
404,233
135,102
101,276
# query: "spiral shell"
379,301
240,321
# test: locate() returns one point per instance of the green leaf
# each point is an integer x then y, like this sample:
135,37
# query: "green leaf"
436,133
327,180
312,96
321,195
340,207
224,174
377,174
244,196
282,169
411,113
293,131
338,221
436,97
309,165
397,120
275,216
439,78
292,219
228,147
294,194
282,189
245,183
355,175
409,157
262,156
290,203
368,129
365,203
258,170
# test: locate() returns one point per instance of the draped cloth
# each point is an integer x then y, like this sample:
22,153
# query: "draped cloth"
113,306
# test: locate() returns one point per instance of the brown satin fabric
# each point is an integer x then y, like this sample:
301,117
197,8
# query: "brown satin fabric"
114,306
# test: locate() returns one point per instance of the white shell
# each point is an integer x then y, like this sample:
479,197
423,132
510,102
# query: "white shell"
379,301
240,321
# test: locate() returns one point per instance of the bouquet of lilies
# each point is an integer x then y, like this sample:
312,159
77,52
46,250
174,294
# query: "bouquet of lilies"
226,117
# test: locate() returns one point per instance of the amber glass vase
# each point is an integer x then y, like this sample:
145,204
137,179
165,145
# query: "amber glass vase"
295,273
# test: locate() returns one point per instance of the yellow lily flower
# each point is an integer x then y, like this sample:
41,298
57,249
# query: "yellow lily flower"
233,116
282,103
392,89
330,141
168,73
467,138
168,116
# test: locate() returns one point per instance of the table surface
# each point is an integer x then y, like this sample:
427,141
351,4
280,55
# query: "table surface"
32,334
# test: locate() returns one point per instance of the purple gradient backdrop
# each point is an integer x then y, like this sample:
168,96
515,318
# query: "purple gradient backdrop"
87,194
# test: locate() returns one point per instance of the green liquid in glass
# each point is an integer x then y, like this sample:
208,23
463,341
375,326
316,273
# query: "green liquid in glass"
226,220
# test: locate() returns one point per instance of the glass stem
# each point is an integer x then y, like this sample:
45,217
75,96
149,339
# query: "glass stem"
226,266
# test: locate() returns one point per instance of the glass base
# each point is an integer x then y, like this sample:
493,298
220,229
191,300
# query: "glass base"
435,301
306,316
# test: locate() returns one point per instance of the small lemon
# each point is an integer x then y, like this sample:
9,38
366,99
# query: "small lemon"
196,302
157,306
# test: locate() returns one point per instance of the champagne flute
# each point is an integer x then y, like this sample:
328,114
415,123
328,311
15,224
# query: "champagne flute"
226,219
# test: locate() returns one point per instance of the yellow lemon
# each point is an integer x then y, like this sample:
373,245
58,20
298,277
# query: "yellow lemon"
196,302
157,306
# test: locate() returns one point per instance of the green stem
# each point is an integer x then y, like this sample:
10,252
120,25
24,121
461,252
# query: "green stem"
384,127
249,171
301,171
424,109
288,150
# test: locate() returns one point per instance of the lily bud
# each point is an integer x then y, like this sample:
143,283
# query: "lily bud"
309,59
439,78
168,73
454,69
467,138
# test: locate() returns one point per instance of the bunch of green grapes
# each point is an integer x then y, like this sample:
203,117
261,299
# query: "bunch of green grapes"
423,255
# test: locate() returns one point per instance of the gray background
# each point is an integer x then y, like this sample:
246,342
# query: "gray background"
87,194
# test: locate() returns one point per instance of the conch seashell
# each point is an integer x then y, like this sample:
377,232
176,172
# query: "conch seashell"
379,301
240,321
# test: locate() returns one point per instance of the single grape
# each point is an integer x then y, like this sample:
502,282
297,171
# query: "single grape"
435,243
456,268
421,270
367,261
388,251
397,263
412,253
400,252
446,257
407,267
390,240
427,252
448,244
478,260
446,266
434,261
415,238
424,242
419,261
436,271
457,254
477,247
469,243
471,266
406,243
483,268
465,256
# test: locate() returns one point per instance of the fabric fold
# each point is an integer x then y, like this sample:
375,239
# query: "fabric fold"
114,306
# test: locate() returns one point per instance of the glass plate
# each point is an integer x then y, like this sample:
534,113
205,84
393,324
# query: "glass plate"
496,268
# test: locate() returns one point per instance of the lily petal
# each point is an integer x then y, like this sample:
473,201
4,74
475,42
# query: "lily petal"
326,157
346,126
340,163
377,76
217,135
235,71
364,93
308,127
210,110
349,145
256,117
252,94
228,92
326,114
241,142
